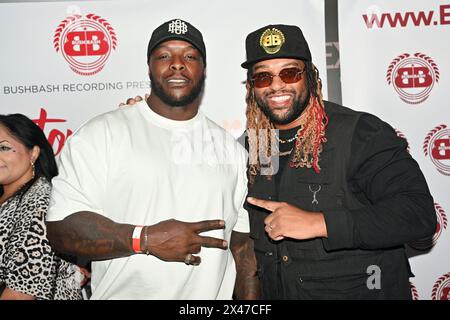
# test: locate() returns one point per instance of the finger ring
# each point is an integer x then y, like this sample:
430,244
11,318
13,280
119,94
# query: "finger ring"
270,226
188,258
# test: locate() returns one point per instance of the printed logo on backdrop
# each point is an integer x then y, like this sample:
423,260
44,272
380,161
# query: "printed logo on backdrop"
437,146
55,137
413,76
414,292
428,243
441,289
85,43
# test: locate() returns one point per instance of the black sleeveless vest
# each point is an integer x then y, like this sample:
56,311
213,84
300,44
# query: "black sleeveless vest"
295,269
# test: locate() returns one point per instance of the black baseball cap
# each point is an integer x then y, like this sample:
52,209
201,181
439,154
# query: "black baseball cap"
177,29
276,41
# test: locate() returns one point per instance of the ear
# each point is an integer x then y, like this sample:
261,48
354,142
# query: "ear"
35,153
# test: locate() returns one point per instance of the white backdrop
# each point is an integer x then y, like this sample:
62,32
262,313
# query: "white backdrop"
37,80
395,64
29,57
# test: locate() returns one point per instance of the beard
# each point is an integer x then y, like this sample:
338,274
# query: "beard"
298,106
172,101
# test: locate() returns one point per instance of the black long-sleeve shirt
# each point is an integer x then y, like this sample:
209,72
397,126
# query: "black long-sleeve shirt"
398,201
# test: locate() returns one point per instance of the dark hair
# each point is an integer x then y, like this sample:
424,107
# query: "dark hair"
30,135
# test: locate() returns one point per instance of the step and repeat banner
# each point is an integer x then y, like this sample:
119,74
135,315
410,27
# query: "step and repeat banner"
395,64
65,62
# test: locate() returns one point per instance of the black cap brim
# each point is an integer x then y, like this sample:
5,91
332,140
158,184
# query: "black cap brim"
249,64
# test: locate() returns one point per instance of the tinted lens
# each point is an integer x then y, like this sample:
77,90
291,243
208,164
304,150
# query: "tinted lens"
291,75
262,79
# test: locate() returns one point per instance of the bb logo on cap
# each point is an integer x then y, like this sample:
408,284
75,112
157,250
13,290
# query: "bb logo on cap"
178,27
272,40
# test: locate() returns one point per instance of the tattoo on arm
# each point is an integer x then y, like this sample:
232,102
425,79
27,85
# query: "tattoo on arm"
247,286
90,235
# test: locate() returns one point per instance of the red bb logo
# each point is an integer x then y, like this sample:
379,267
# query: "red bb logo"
437,145
441,289
413,77
85,43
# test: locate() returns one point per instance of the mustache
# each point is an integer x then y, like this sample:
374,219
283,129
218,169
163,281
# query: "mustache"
284,91
178,75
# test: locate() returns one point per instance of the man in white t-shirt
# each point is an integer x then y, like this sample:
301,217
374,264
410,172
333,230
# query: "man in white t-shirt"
153,193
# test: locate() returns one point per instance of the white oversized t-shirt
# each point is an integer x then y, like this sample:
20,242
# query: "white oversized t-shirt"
137,167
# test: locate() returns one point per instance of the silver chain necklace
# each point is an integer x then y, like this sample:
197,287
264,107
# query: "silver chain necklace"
287,140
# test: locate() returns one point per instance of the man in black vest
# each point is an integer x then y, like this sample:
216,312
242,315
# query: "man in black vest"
333,193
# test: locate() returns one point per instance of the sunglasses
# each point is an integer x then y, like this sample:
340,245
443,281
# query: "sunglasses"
288,75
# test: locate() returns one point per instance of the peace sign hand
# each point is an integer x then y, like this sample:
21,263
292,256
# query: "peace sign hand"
173,240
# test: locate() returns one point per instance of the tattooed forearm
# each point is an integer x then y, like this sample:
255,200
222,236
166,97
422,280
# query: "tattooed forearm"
247,283
90,235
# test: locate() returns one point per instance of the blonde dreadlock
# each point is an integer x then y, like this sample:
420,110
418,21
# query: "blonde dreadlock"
311,134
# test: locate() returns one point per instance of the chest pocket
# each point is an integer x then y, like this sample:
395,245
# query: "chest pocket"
312,191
